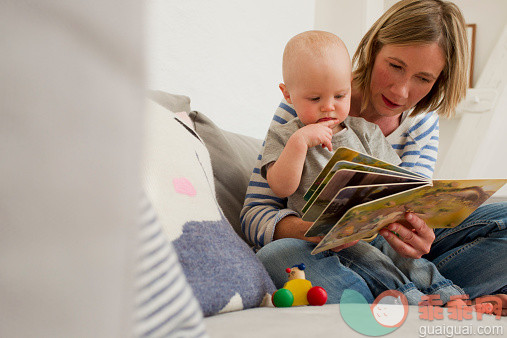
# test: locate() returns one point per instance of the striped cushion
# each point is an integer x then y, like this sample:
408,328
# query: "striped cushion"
165,304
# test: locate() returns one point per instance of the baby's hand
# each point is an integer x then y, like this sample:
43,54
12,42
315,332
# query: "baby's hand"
318,133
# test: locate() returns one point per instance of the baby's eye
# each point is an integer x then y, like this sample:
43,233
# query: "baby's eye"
314,98
338,96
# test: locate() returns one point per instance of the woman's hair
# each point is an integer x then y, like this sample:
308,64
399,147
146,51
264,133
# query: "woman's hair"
414,22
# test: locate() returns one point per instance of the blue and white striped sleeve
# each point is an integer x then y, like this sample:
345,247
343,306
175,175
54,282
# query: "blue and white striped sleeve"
165,304
417,146
262,209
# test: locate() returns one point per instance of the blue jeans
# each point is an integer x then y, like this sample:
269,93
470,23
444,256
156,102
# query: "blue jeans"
474,254
323,269
362,267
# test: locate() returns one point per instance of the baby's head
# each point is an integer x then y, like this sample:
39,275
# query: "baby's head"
317,75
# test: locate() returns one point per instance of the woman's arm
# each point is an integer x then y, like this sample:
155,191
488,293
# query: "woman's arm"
417,145
262,209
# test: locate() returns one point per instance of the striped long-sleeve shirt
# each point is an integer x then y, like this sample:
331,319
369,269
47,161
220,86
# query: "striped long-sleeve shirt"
415,141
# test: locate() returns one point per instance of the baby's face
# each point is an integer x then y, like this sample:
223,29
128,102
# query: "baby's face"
321,89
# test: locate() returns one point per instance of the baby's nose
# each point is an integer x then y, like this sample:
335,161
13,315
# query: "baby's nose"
327,107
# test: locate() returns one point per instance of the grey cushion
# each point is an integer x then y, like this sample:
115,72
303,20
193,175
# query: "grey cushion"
173,102
233,158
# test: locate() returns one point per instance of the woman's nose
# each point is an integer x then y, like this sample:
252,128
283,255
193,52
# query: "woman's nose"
401,88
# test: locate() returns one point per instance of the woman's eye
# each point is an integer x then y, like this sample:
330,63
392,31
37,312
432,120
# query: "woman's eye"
395,66
425,80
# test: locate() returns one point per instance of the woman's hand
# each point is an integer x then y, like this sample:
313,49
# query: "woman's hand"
414,237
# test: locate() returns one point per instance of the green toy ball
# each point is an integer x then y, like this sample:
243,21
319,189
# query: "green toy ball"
282,298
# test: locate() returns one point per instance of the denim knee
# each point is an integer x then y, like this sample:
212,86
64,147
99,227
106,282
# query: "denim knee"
384,269
487,220
325,270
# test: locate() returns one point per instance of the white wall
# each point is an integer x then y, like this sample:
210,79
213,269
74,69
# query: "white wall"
348,19
473,146
490,17
225,55
476,149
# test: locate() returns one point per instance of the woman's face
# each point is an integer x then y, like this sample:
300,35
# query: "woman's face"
403,75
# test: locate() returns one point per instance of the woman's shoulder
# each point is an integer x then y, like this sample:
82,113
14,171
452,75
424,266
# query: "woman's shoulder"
415,127
417,124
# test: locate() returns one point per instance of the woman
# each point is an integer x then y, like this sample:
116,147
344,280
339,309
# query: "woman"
411,63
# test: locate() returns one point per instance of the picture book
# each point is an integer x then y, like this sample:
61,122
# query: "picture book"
356,195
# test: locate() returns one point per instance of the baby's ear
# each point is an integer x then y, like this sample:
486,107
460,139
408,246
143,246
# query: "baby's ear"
285,92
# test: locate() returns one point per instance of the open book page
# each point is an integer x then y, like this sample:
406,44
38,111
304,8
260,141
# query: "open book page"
349,197
346,154
328,191
444,204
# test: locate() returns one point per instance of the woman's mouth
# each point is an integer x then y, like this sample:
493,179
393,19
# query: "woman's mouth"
390,104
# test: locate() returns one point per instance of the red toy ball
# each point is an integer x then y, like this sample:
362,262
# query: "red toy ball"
317,296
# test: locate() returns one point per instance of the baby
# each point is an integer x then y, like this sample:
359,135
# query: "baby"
317,76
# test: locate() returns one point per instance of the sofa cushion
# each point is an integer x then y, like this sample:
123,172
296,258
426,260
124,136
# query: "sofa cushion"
233,158
327,321
173,102
222,270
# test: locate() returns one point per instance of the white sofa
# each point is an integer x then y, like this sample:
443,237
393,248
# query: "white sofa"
232,158
326,321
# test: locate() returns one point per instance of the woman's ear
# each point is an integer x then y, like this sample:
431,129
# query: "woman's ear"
285,92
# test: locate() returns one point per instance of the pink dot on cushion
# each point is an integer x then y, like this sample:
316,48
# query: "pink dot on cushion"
183,186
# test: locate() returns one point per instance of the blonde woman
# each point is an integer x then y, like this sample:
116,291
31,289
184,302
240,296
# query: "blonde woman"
409,68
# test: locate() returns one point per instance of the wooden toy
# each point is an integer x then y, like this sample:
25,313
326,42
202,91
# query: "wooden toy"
298,290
